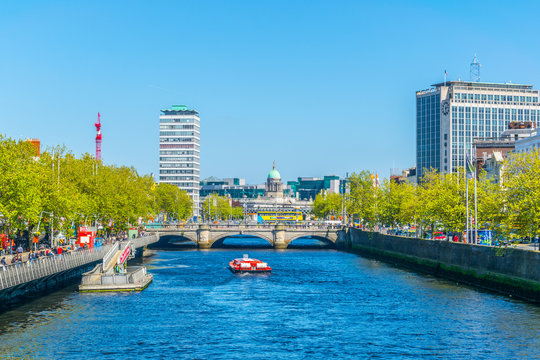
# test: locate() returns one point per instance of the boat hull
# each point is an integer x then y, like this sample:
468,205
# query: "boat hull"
240,271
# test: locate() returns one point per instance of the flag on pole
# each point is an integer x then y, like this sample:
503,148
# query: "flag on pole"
469,167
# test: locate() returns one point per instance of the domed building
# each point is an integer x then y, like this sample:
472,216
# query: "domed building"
274,186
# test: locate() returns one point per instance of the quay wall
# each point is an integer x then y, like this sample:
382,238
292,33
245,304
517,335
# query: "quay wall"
21,293
24,281
510,271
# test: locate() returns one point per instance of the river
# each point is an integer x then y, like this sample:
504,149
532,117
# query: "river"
316,304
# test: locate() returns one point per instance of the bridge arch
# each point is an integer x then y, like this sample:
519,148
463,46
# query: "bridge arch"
168,237
327,241
218,239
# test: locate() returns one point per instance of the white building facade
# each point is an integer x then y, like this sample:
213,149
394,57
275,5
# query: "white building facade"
450,115
528,144
179,150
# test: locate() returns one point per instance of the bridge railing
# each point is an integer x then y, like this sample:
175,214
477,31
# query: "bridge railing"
143,241
16,274
249,227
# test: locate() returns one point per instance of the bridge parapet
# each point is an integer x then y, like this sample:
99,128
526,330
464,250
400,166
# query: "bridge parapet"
279,236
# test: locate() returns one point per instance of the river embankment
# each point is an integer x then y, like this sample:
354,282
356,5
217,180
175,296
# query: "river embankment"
511,271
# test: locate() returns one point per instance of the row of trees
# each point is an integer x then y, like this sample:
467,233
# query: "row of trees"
511,208
215,207
68,190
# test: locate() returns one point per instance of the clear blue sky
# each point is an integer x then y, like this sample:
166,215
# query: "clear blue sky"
322,87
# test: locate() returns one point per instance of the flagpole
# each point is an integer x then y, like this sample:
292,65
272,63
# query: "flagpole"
466,197
444,77
475,201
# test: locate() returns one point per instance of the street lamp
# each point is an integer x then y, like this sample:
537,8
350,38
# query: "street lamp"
276,209
52,223
245,210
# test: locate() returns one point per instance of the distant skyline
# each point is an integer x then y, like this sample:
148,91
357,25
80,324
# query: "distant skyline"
321,87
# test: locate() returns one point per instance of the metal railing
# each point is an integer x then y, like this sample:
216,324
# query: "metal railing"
248,226
16,274
109,255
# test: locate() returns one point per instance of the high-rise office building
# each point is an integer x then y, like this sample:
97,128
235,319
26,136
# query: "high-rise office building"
451,114
179,150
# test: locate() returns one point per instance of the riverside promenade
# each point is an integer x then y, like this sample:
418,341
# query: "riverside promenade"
31,278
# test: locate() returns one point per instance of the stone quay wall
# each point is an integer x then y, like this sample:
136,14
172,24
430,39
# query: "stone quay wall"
510,271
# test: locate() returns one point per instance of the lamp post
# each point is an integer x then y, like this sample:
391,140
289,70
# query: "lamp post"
245,214
214,200
52,222
276,209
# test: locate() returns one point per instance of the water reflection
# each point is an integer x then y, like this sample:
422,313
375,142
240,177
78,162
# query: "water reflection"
316,304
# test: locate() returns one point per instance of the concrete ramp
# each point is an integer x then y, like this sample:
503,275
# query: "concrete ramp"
104,278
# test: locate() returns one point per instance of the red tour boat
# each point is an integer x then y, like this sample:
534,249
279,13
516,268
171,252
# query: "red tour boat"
247,265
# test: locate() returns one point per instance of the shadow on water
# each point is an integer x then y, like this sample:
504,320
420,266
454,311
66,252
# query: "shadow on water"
311,243
28,312
244,242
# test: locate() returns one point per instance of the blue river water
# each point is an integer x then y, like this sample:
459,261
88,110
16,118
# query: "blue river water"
316,304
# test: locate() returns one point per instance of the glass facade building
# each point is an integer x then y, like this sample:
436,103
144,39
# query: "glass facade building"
450,115
179,150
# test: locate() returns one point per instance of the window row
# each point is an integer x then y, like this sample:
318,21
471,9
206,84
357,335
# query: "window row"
177,133
500,98
173,127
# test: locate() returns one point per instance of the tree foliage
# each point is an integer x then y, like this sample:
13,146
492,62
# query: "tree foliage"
77,190
521,183
326,204
215,207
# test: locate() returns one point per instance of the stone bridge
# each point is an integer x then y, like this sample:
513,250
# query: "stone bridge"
279,236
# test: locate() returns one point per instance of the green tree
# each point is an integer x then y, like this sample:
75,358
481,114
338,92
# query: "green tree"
363,197
237,212
442,200
398,203
491,204
326,204
173,201
521,181
20,188
216,207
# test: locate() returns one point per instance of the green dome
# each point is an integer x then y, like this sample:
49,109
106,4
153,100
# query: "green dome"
274,174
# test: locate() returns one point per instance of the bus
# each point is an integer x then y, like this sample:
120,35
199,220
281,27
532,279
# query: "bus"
284,217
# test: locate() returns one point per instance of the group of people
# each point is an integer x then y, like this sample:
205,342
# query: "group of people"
32,255
120,268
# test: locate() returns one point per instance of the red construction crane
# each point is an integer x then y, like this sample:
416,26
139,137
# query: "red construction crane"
98,137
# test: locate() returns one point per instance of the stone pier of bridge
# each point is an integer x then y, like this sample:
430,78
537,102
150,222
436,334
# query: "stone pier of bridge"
279,236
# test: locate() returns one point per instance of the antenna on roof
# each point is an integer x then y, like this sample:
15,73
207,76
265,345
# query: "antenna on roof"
475,69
